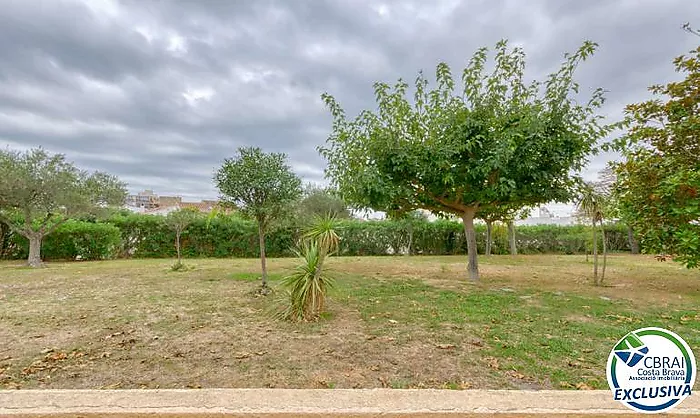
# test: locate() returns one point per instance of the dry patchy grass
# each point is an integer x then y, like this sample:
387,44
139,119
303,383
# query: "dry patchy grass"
532,322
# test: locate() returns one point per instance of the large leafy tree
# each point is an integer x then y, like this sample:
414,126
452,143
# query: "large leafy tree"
40,191
659,180
262,186
498,141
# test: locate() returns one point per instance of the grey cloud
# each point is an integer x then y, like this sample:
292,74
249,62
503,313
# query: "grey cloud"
160,92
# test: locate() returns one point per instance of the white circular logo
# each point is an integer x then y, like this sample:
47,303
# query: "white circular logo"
651,370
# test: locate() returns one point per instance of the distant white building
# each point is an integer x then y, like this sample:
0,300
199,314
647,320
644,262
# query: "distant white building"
542,216
150,203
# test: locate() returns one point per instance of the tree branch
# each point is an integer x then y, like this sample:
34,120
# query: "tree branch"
12,225
56,225
452,205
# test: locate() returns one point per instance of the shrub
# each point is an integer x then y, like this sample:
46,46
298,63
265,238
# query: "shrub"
73,239
143,236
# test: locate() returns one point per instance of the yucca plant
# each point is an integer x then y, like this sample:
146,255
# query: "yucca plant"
307,285
323,232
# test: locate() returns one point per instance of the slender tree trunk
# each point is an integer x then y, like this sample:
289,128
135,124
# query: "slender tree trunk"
595,255
511,238
634,244
34,259
605,253
472,265
410,238
177,246
489,237
5,234
261,234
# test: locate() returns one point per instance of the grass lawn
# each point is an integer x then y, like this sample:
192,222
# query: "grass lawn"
532,322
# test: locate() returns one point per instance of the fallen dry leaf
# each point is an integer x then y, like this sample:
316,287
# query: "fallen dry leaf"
516,374
583,386
241,356
445,346
56,356
492,362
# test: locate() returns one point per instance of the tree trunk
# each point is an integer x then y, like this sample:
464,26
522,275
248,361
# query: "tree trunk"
511,238
595,255
472,266
34,259
605,253
634,244
261,234
177,246
489,237
410,239
5,234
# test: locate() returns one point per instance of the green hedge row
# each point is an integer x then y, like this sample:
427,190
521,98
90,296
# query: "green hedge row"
74,239
143,236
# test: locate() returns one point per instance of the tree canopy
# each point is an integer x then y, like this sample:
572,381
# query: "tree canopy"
658,187
498,141
261,185
317,201
40,191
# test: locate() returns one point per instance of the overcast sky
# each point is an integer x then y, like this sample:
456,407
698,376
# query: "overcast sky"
159,92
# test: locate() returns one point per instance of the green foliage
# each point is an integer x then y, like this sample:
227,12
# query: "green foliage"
658,184
179,266
498,142
318,201
261,185
76,239
222,236
147,236
323,232
307,286
178,221
46,190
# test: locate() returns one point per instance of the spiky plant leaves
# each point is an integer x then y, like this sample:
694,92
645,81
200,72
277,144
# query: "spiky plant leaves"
307,285
324,233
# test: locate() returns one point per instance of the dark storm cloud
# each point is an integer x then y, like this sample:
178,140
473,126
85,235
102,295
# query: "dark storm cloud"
159,92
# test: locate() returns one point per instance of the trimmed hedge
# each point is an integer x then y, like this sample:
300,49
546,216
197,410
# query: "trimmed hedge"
73,239
143,236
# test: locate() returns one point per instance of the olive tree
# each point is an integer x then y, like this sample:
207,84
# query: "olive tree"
498,141
40,191
317,201
262,186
